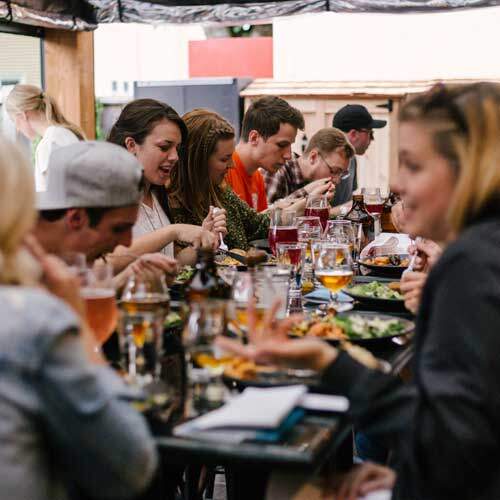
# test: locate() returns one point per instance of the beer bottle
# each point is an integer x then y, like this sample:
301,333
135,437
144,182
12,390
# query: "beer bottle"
206,283
386,220
360,215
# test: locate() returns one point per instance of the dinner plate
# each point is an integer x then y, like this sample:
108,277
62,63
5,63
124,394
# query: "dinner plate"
278,378
389,270
396,305
408,328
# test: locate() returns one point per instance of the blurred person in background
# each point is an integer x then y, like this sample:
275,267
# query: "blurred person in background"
36,114
66,420
91,204
358,124
268,131
443,425
322,166
155,134
198,182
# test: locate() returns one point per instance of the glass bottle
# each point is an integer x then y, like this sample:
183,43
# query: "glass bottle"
206,283
360,215
386,220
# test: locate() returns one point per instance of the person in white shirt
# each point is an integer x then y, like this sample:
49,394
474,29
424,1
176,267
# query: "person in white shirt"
36,114
155,134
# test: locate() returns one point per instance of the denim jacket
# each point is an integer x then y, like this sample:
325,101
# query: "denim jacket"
62,419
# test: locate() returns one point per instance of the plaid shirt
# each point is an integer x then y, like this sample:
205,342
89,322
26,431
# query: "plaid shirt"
288,182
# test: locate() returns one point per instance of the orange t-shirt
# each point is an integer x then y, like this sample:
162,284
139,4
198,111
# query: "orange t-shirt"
249,188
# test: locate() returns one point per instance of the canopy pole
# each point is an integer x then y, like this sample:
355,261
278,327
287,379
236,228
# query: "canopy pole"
69,75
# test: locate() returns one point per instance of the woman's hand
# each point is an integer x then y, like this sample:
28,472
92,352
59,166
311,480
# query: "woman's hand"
412,284
215,221
428,254
56,277
269,344
364,479
196,236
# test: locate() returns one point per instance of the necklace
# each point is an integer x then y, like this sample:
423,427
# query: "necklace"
155,209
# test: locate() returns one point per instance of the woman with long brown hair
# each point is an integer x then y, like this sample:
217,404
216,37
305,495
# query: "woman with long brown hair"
37,114
197,185
154,133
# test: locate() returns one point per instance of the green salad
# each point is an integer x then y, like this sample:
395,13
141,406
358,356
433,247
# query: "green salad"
375,290
357,326
173,320
185,274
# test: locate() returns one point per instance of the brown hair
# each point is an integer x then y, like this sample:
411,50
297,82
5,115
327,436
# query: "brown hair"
190,182
328,140
24,98
265,115
137,119
464,121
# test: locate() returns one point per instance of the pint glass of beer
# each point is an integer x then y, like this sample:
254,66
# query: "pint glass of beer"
100,303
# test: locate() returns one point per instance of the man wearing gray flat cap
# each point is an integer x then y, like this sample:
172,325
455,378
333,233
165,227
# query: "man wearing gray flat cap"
91,203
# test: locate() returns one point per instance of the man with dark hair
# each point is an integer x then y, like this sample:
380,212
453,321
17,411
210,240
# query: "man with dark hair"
91,203
358,125
269,129
324,162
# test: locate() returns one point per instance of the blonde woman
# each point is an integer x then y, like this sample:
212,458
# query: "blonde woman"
36,114
444,425
59,403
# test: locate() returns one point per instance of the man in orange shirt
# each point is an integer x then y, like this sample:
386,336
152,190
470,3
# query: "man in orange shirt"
269,129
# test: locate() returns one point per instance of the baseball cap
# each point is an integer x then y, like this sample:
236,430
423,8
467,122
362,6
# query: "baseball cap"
355,116
91,174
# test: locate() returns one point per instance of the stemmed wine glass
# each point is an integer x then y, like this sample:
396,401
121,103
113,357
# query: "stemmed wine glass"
373,200
333,268
318,206
283,228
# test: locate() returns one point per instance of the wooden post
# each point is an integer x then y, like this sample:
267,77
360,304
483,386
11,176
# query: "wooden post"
69,75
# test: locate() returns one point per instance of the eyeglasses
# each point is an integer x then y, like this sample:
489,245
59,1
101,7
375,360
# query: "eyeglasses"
336,171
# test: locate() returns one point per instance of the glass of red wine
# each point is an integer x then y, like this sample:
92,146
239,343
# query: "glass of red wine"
318,206
283,228
373,200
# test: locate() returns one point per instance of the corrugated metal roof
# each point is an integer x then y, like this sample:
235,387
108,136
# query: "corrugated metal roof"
358,89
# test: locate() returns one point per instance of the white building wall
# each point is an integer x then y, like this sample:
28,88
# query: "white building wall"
360,47
129,52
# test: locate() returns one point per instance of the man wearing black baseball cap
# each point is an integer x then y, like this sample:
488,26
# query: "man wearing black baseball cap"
358,124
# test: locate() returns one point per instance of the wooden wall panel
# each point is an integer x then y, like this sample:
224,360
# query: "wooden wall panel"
69,75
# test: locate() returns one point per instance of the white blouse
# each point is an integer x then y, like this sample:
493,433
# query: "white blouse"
55,137
151,219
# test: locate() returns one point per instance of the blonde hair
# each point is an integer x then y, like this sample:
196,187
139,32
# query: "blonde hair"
17,216
25,98
464,121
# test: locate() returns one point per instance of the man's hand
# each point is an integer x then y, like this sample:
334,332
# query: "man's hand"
156,264
321,186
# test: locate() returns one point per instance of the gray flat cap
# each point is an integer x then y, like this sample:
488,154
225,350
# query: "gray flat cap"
91,174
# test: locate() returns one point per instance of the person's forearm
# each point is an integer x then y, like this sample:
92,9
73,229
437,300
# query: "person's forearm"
186,256
156,240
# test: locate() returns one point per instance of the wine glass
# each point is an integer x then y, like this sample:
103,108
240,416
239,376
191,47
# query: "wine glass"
373,200
318,206
333,268
98,293
293,256
339,231
283,228
145,302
